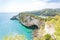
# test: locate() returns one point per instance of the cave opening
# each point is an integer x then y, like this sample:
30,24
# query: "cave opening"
33,27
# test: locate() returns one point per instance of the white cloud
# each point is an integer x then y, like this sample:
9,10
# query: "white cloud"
35,5
40,4
41,0
46,0
53,5
15,7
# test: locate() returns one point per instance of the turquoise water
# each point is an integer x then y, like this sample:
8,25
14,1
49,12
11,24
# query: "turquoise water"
8,26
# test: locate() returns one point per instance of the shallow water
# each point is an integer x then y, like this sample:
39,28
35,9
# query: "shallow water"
8,26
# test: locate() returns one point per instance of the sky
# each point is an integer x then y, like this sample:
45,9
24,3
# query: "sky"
27,5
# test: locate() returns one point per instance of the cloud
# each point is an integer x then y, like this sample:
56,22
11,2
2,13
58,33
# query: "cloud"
53,5
18,7
46,0
56,1
42,0
33,5
40,4
43,4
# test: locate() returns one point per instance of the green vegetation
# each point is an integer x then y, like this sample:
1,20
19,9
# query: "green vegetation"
53,18
56,22
35,14
50,20
23,16
45,12
45,37
15,37
57,27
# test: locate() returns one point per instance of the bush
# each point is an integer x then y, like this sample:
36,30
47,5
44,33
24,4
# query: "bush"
15,37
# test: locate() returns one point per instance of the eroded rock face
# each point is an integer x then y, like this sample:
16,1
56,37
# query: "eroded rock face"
49,28
29,21
35,24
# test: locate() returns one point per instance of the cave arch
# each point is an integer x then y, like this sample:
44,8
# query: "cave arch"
33,27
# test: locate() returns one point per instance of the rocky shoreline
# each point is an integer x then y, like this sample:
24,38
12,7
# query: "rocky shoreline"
33,24
30,22
27,26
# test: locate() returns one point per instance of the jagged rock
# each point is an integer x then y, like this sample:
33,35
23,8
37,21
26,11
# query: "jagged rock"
14,17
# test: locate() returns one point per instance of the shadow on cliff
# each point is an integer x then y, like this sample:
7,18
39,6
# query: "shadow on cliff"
33,27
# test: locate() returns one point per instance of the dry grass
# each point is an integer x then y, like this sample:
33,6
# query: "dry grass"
15,37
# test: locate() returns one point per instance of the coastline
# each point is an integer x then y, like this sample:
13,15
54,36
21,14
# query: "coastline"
36,31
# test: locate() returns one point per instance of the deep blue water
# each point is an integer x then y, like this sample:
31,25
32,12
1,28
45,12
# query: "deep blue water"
8,26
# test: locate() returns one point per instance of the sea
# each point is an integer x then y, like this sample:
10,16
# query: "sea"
13,27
